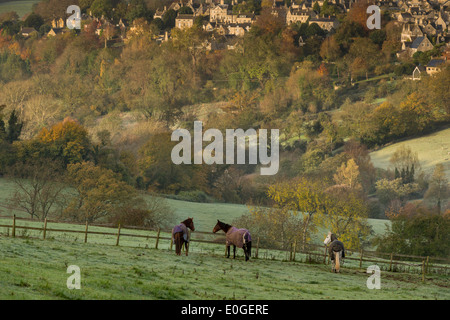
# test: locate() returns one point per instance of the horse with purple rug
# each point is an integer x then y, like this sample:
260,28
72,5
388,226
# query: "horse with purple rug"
240,238
180,235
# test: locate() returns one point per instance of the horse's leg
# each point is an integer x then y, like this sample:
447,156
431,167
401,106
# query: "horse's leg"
248,250
175,240
178,244
336,259
333,263
228,251
186,245
234,252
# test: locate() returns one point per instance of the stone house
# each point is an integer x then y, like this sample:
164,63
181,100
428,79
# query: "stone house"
184,21
405,17
421,44
296,15
238,29
410,32
326,23
435,65
28,32
58,23
219,13
417,72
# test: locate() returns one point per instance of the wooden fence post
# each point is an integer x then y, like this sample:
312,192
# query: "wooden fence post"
118,235
390,264
290,253
14,227
295,249
423,270
426,267
361,258
45,227
257,248
157,238
86,232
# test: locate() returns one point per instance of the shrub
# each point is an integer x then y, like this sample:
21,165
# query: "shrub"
194,196
416,230
132,217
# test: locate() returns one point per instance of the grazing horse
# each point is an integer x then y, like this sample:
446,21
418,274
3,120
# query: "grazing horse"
180,235
237,237
336,251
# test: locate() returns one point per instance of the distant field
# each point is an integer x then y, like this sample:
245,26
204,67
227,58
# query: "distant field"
206,215
21,7
432,149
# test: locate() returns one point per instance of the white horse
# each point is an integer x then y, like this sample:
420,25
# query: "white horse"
336,251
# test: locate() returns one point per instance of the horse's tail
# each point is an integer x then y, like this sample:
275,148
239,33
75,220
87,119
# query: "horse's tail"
246,237
337,255
178,242
247,245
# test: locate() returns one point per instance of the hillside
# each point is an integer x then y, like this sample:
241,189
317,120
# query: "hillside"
22,7
432,149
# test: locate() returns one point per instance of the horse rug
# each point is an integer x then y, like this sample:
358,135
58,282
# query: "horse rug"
238,237
336,246
181,228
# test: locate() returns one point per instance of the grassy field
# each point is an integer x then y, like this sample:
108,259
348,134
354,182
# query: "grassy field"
109,272
22,7
432,149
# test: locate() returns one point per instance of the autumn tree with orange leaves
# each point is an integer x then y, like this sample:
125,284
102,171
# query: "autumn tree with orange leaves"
67,140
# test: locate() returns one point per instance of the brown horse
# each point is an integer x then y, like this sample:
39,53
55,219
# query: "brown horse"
236,237
180,235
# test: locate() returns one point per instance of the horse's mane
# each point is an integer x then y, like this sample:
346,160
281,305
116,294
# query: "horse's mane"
185,222
224,226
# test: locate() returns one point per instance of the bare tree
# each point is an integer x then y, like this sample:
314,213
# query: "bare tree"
38,188
438,191
108,33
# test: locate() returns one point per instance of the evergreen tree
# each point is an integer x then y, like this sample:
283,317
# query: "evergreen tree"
396,174
316,7
14,127
406,179
2,124
411,174
403,175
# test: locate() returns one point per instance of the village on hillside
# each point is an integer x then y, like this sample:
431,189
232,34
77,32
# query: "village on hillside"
421,21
